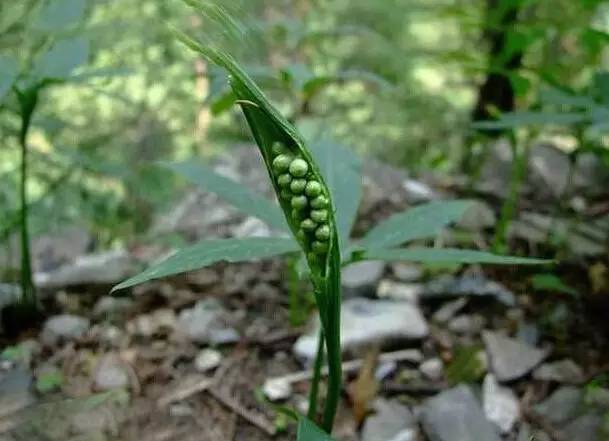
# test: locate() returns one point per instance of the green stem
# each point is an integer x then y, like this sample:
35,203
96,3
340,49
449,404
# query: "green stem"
314,392
27,100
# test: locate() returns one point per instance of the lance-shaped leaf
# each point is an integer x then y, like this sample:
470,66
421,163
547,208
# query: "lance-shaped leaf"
421,222
212,251
308,431
233,192
447,255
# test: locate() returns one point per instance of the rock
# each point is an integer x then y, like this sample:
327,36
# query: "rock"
509,358
367,321
590,174
598,397
65,327
417,191
161,321
205,324
251,227
466,285
9,294
207,359
549,169
433,369
496,170
562,371
478,217
406,272
360,279
449,310
391,421
15,391
467,324
500,404
111,306
526,433
584,428
409,292
106,268
455,415
562,406
109,335
110,373
277,389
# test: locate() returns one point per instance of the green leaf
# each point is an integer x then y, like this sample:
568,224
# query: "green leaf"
466,366
421,222
9,69
61,59
308,431
554,96
514,120
447,255
233,192
342,171
60,14
49,381
551,282
212,251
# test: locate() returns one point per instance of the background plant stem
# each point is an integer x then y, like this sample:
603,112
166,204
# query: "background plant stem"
314,392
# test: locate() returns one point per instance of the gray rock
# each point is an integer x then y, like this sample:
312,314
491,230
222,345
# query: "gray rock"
418,191
433,369
277,389
205,323
549,169
207,360
251,227
562,371
162,321
448,286
65,327
591,174
406,272
509,358
598,397
449,310
496,170
563,405
478,217
467,324
15,391
584,428
409,292
456,415
526,433
360,279
500,404
111,374
391,421
369,321
106,268
111,306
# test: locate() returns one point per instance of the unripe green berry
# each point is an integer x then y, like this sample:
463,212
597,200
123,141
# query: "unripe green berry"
284,180
301,235
323,233
298,214
286,194
299,202
313,189
278,148
319,202
319,247
319,216
282,163
298,168
298,185
308,225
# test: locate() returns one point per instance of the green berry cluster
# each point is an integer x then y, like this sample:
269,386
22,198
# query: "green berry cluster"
306,196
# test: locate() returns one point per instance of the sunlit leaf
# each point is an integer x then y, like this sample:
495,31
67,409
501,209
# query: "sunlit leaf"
308,431
61,59
212,251
514,120
447,255
421,222
551,282
233,192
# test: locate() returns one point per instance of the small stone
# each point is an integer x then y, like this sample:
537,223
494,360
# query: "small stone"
500,404
204,323
406,272
448,310
468,285
110,374
417,191
65,327
277,389
15,394
391,421
360,279
467,324
251,227
598,397
562,371
509,358
456,415
410,292
563,405
111,306
584,428
299,168
207,360
433,369
477,217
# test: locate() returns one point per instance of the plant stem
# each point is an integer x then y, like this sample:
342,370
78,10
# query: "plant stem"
314,392
27,100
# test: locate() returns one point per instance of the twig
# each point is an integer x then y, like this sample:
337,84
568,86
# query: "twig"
185,392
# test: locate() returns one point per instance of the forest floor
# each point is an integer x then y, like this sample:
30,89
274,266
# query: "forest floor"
449,353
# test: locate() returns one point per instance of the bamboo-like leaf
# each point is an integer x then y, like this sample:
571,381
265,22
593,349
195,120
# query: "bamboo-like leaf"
308,431
233,192
447,255
421,222
212,251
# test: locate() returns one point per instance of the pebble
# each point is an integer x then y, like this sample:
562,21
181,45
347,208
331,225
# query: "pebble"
360,279
433,369
207,360
562,371
500,404
65,327
110,374
509,358
277,389
388,289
